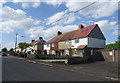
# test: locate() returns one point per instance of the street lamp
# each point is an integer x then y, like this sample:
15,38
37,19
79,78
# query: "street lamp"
16,42
16,38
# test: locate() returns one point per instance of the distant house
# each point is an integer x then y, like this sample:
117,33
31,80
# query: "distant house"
83,41
37,46
18,49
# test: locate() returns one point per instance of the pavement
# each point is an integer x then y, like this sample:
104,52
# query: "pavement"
99,69
19,69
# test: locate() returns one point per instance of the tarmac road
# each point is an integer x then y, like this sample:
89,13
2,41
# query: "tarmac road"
15,69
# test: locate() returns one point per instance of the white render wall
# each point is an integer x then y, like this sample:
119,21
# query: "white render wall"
82,41
46,48
96,43
90,42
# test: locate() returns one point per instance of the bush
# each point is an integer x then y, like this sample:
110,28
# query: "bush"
11,53
76,60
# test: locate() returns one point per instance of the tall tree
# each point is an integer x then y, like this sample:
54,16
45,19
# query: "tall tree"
23,45
11,49
118,38
4,50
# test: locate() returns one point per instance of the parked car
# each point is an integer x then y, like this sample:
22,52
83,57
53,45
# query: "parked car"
4,54
22,54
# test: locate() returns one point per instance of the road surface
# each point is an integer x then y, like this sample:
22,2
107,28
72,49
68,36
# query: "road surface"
16,69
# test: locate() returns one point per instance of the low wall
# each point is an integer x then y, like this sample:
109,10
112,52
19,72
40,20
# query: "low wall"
31,56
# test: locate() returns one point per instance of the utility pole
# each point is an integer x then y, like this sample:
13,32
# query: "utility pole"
16,42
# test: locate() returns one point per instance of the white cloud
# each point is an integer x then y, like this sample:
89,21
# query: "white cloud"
8,45
54,2
28,3
97,10
50,32
10,14
115,32
15,19
55,17
107,25
62,18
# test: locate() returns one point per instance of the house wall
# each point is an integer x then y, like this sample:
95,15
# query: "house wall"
96,43
35,47
55,47
18,50
64,45
82,41
97,33
46,48
40,47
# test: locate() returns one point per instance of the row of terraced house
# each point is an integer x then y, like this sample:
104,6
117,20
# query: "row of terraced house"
84,41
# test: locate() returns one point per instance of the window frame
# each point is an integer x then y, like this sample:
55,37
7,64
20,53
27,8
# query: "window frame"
47,45
53,44
66,42
77,41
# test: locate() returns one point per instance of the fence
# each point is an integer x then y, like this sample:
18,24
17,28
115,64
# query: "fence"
111,55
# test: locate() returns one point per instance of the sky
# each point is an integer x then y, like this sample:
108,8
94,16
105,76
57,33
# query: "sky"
38,18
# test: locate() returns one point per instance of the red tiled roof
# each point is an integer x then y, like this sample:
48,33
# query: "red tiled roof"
81,46
18,48
36,42
84,32
62,37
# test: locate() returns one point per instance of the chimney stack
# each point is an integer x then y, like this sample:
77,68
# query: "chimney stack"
80,26
59,33
40,38
32,40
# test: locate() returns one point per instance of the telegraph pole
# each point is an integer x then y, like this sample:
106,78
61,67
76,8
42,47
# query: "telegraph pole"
16,42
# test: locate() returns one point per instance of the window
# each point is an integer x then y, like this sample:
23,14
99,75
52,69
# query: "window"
47,45
77,41
86,30
66,42
52,44
82,31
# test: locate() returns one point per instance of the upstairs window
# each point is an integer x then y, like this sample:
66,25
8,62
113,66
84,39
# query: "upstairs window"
66,42
86,30
47,45
53,44
77,41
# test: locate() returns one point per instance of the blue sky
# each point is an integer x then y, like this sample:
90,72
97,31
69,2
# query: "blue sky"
29,19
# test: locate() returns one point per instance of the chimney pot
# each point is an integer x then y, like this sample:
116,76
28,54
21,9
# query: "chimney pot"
80,26
32,40
59,33
40,38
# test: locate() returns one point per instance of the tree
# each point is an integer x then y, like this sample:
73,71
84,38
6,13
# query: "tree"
4,50
115,45
118,38
23,45
11,49
70,52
